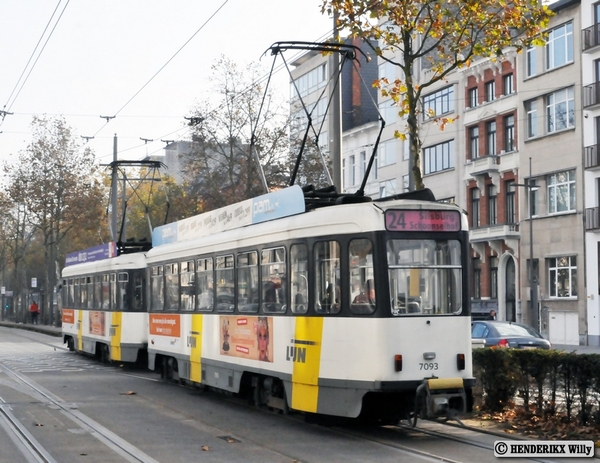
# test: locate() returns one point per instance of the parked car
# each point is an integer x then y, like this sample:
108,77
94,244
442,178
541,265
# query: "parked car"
507,334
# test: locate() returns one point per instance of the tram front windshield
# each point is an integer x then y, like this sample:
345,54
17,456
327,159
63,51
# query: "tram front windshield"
425,276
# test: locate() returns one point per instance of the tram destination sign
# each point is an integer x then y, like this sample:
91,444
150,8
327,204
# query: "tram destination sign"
422,220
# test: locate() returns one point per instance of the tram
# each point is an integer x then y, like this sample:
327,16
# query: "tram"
351,310
103,304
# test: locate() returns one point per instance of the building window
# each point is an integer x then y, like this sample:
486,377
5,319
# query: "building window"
561,192
405,183
507,84
363,163
509,133
559,47
531,108
533,199
531,58
490,91
474,142
388,111
494,277
476,279
406,149
492,205
352,170
439,157
440,102
473,97
490,129
561,110
386,153
475,207
509,188
562,276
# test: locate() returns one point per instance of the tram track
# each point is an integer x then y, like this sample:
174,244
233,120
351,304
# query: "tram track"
24,440
129,452
388,436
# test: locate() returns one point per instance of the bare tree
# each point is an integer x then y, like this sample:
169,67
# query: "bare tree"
235,138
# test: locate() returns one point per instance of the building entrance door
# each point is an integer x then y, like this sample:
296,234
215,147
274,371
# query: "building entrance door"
510,293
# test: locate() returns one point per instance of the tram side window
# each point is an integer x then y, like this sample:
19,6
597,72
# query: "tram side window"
90,292
225,283
171,287
205,284
247,288
64,293
425,276
138,291
76,294
98,292
299,278
123,283
71,295
113,292
157,288
274,280
327,276
187,286
83,292
362,281
105,292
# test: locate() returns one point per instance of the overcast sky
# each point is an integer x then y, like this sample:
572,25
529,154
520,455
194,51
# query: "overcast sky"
95,55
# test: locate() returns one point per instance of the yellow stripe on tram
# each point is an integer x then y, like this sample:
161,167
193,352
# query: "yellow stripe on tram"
115,336
79,314
306,355
195,339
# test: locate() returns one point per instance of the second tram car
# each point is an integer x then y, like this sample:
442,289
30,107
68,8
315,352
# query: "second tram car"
103,305
347,310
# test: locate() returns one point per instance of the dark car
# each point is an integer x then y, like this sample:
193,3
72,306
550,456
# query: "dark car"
507,334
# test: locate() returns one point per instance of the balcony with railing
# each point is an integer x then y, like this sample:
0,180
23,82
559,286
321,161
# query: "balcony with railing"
592,160
483,165
592,219
505,231
591,95
590,37
496,236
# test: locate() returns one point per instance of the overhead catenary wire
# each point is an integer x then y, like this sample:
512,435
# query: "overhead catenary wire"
165,65
21,81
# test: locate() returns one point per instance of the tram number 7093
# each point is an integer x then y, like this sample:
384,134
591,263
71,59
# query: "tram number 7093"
428,366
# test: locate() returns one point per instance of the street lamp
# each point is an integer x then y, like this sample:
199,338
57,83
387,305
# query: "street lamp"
533,286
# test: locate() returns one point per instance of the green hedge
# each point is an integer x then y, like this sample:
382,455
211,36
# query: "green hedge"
547,382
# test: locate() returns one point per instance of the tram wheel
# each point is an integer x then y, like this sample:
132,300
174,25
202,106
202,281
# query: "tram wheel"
104,353
71,344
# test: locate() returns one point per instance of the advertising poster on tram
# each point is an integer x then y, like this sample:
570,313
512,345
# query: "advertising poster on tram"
247,337
68,316
165,325
98,323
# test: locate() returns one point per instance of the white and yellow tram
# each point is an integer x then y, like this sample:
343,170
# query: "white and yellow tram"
103,308
348,310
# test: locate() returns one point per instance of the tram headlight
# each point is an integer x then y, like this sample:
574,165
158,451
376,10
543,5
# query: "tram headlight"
460,361
398,362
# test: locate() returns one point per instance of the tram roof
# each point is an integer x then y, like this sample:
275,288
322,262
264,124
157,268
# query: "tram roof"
329,221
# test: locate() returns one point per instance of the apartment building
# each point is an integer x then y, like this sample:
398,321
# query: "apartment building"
521,158
313,80
590,65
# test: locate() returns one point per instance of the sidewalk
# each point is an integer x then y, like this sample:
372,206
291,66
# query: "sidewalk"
46,329
577,349
57,331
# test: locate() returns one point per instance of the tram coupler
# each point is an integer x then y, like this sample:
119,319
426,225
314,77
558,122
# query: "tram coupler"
440,397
